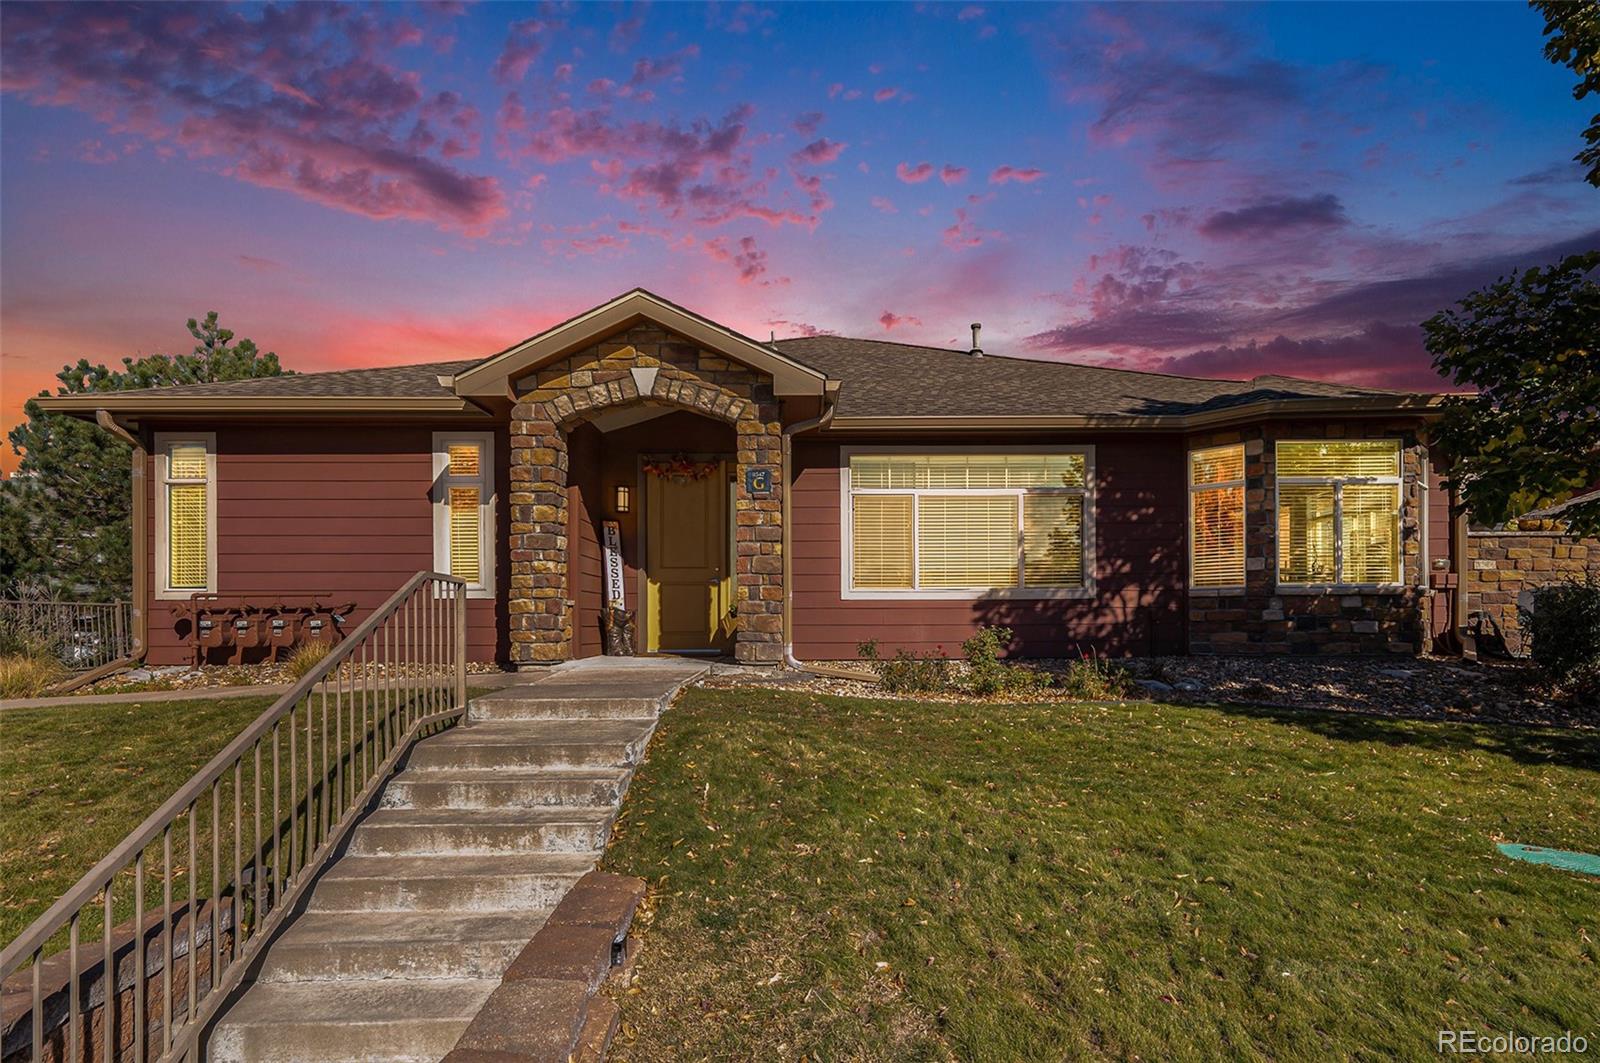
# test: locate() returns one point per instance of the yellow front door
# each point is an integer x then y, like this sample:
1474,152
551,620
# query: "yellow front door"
689,580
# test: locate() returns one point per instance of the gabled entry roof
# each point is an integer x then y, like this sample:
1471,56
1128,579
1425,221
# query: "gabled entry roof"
496,375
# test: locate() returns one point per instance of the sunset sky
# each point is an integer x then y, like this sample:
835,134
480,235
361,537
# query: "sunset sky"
1215,191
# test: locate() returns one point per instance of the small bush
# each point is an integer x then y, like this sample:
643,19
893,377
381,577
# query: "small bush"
24,676
1091,678
307,656
906,672
988,674
1564,626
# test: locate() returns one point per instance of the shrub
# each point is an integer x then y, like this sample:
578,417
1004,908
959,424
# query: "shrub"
988,674
307,656
1564,625
906,672
1091,678
24,676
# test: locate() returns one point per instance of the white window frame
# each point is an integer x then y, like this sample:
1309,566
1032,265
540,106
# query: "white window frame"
489,530
1244,513
1337,483
849,592
164,442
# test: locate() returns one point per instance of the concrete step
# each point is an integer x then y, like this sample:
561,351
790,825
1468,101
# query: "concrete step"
576,704
395,1019
468,832
515,744
447,883
486,788
325,946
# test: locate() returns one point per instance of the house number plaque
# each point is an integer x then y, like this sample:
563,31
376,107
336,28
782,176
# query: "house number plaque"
757,481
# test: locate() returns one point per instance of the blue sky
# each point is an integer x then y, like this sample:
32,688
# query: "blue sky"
1215,190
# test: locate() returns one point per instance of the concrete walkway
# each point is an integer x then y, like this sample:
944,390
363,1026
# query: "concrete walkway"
475,841
485,681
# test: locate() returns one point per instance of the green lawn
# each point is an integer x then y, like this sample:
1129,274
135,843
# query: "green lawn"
74,780
77,778
853,879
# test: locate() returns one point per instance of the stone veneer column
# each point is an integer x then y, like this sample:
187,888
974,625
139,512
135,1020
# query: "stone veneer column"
611,373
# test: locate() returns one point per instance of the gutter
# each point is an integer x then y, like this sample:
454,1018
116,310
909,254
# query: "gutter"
789,432
1422,405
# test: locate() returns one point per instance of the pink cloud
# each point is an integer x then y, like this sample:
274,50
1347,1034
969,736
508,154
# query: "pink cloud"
748,259
355,133
952,174
914,175
885,95
970,13
964,232
524,44
807,124
884,205
891,321
1024,175
820,152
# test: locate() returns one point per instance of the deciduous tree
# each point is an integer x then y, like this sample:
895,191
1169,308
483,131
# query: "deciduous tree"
1530,346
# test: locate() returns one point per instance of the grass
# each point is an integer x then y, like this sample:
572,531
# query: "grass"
25,676
75,779
859,879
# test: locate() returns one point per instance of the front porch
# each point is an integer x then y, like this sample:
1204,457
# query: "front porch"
701,552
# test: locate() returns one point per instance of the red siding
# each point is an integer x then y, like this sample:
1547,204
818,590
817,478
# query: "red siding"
335,507
586,509
1139,550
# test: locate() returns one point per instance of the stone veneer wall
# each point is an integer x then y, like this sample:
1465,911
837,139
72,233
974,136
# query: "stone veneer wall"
573,389
1501,564
1266,620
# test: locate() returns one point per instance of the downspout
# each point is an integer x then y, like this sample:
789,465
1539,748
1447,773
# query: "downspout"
789,432
1459,600
141,534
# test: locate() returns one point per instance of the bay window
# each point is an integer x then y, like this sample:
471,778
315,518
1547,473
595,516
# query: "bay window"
463,504
954,524
1338,512
1216,517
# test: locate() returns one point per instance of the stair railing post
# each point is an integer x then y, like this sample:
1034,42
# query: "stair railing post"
461,644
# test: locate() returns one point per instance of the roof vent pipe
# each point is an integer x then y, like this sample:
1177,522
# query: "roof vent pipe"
977,351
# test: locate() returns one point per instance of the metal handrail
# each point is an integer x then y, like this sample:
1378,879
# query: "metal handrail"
398,676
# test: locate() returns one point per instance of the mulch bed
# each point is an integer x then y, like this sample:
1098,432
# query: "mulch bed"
1424,688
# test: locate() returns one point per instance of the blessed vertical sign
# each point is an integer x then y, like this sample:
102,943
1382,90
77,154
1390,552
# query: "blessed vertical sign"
611,549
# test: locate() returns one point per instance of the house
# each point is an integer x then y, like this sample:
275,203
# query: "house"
790,499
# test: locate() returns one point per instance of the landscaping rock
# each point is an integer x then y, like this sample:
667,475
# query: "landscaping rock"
1155,687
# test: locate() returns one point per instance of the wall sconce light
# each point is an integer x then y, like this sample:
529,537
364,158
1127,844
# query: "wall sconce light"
623,499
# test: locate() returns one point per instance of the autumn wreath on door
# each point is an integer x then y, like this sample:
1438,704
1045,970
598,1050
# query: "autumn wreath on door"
681,468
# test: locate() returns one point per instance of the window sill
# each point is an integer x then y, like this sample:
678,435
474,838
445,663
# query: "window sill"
1217,592
183,595
1341,588
995,595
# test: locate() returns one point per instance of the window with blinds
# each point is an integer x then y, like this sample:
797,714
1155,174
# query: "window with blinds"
967,522
1339,512
188,490
1216,517
464,522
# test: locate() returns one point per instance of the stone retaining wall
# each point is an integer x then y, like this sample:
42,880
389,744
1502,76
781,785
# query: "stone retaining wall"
1503,564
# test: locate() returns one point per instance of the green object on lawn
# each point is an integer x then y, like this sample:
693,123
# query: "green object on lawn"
1587,863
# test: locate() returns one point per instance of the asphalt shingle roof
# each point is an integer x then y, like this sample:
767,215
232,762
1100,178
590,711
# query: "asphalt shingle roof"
883,379
401,381
878,379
